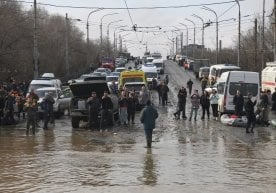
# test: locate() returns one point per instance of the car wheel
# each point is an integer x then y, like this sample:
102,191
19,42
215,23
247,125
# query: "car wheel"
75,122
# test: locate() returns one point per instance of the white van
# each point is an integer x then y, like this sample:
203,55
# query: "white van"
230,82
40,83
159,63
151,72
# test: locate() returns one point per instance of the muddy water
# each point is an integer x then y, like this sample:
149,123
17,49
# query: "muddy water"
201,156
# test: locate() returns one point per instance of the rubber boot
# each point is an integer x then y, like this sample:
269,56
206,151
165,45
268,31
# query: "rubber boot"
247,131
252,130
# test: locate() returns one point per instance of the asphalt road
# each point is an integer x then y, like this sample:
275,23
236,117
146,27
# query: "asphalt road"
202,156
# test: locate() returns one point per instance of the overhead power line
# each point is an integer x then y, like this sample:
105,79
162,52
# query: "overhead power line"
137,8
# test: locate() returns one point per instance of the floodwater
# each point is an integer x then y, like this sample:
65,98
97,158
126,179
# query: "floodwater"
201,156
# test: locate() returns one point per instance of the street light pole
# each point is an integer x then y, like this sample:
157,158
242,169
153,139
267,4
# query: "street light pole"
66,47
87,34
194,37
208,9
202,41
239,32
35,54
101,30
108,44
187,38
67,64
114,38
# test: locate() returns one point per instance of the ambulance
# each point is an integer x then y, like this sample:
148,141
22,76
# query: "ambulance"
269,76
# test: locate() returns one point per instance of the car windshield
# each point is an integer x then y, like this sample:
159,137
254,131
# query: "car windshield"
83,76
158,64
42,93
37,86
97,74
205,70
111,78
244,88
151,74
100,70
120,69
133,79
136,87
115,74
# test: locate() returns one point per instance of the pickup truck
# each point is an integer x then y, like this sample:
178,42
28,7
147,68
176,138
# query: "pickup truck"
81,92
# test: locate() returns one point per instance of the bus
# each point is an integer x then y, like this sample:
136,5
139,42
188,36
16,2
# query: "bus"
218,69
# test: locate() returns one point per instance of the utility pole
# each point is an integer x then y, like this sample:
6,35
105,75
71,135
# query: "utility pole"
274,30
181,44
202,38
35,54
66,47
220,45
263,30
255,43
194,37
176,45
208,9
173,45
239,32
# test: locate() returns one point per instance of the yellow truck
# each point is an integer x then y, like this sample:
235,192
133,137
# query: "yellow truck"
132,76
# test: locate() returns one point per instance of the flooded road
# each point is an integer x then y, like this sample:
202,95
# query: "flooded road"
201,156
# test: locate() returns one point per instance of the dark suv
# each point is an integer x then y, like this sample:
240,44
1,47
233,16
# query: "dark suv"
82,91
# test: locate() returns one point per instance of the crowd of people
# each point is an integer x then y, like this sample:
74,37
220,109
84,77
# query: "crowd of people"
12,99
243,107
205,101
16,103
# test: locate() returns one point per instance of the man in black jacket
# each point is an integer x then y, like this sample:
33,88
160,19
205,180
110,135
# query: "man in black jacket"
251,118
239,103
94,108
181,105
107,108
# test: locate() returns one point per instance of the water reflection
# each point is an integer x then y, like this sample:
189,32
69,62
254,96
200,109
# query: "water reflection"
149,171
49,140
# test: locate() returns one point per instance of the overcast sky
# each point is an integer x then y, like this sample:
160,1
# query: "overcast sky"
165,18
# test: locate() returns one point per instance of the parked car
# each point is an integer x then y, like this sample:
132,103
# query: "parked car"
159,63
40,83
62,101
103,71
81,92
120,69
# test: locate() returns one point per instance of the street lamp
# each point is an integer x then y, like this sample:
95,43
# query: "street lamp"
121,40
87,34
194,37
202,40
187,38
67,65
208,9
101,29
176,40
114,34
239,33
108,45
